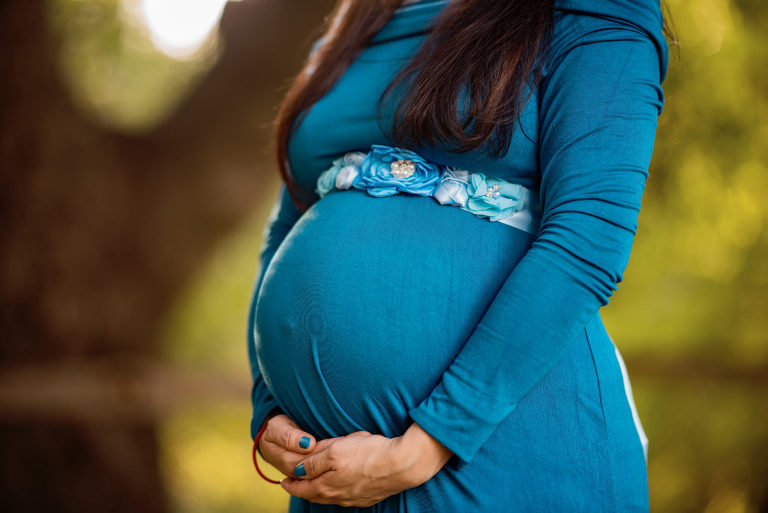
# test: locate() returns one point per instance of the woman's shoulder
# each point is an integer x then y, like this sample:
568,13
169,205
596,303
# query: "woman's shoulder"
585,21
628,9
643,14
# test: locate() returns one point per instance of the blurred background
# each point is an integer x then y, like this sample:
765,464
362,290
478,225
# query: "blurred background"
137,175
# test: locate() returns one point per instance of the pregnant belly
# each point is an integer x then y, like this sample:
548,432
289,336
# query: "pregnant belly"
367,302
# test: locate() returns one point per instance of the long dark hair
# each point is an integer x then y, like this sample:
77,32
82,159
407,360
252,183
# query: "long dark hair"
495,46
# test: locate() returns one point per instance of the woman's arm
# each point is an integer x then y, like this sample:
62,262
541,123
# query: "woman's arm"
599,105
283,216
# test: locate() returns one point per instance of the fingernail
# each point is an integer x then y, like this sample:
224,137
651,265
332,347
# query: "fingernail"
304,442
299,470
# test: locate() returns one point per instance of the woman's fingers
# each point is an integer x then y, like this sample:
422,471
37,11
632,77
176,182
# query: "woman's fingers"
283,460
324,458
318,463
281,430
283,445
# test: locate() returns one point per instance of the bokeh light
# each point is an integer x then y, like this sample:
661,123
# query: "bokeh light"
180,27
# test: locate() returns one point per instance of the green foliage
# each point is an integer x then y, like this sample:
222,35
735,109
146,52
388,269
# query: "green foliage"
207,464
207,327
705,445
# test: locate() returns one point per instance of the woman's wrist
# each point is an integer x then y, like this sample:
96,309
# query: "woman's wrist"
418,455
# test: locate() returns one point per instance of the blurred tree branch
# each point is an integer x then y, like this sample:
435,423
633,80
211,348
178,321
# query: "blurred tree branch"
124,390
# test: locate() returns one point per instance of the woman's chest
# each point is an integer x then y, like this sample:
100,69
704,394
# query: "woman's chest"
349,117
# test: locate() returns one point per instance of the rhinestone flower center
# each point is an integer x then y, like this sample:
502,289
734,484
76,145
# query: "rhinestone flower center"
402,168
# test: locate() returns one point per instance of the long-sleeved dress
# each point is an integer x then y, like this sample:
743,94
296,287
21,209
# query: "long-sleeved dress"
375,312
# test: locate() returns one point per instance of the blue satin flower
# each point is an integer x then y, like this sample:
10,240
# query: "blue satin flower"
342,173
493,198
326,182
376,173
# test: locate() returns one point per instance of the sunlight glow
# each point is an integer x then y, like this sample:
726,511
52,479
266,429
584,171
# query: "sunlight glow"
180,27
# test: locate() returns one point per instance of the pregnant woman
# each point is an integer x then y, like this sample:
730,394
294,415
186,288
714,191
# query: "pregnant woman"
461,186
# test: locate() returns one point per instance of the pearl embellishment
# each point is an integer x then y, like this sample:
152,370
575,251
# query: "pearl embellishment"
493,191
402,168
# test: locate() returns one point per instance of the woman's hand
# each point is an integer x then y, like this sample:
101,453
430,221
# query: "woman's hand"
284,445
361,469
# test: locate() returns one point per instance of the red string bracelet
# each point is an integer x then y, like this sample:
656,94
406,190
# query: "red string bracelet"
255,447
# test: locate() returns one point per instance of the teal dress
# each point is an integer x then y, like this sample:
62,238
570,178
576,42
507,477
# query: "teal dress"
371,313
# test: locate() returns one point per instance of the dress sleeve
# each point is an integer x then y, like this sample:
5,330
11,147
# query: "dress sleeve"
283,216
599,103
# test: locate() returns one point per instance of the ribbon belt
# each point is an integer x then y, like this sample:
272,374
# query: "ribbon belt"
387,170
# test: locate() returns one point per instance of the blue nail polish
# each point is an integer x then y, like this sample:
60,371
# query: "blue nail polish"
304,442
299,470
